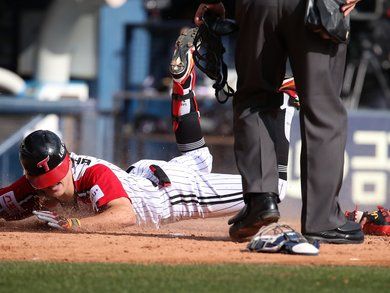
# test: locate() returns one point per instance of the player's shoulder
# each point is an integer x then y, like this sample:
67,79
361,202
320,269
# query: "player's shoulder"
91,168
88,161
81,163
83,160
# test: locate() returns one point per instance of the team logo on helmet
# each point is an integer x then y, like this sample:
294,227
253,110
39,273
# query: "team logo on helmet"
44,164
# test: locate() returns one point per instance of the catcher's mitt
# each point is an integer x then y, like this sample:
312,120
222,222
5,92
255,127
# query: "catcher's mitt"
281,238
209,50
372,223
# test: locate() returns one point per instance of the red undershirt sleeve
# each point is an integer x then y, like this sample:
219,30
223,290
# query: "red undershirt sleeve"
104,186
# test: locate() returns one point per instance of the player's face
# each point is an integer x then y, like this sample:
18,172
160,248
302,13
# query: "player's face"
62,190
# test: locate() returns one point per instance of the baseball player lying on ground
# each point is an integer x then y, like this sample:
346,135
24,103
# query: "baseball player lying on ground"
149,192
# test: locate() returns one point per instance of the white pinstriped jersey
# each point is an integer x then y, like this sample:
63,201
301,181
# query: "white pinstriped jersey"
194,191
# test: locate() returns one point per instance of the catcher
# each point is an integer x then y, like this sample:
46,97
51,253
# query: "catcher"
149,192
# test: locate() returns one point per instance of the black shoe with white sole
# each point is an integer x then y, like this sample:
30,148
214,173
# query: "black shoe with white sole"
260,209
349,233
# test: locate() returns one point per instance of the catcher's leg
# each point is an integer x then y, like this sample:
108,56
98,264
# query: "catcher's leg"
290,102
282,146
185,112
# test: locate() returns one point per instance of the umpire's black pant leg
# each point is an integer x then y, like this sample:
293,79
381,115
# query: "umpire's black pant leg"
260,64
318,67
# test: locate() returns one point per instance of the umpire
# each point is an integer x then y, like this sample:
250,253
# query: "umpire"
270,32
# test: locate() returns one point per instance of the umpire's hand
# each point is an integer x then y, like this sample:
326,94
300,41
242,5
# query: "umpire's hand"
218,9
348,6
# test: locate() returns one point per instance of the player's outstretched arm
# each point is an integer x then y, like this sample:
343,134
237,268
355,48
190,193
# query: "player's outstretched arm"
118,214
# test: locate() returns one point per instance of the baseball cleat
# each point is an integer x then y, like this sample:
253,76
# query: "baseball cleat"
182,62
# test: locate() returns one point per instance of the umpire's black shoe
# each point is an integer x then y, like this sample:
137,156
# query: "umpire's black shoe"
349,233
260,209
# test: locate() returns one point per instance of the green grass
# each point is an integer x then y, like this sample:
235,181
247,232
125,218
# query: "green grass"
99,277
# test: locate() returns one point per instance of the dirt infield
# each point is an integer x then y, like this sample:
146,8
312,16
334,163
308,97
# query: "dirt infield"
187,242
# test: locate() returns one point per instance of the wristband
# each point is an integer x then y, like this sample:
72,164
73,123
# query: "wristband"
72,223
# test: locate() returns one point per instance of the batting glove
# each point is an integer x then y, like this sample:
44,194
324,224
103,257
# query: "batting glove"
56,221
